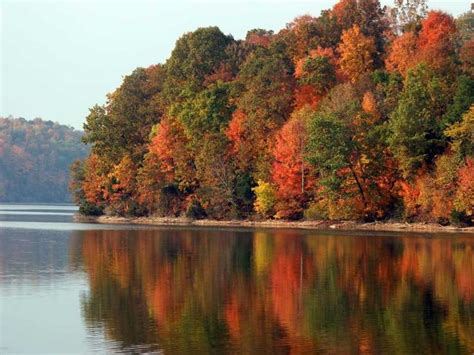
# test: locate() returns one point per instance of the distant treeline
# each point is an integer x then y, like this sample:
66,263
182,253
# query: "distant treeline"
35,157
364,112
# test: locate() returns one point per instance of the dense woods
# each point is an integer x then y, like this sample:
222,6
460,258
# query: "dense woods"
35,157
364,112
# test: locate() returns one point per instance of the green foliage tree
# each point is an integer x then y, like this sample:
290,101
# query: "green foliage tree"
206,112
416,131
329,149
462,100
123,125
319,73
196,55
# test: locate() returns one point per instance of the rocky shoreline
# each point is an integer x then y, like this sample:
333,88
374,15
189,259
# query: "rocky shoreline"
311,225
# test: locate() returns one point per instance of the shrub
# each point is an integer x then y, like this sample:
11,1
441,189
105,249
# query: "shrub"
264,198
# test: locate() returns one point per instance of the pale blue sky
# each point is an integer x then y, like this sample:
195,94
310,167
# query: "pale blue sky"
58,58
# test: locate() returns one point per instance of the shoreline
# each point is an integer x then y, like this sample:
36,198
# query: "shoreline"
278,224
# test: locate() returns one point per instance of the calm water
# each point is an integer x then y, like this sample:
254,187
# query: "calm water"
68,287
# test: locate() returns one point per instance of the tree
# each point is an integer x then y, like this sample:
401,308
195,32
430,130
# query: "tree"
319,73
436,41
466,56
265,95
264,199
315,74
464,201
416,123
171,145
122,126
290,173
259,37
356,51
434,45
35,156
402,53
369,16
347,149
150,184
322,118
462,100
300,36
329,149
465,26
217,177
121,193
462,134
195,56
208,111
77,191
94,181
407,14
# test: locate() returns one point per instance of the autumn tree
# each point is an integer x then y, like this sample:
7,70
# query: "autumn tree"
416,134
259,37
217,176
402,53
78,176
356,51
356,169
369,16
264,199
290,171
122,126
208,111
462,100
462,134
122,188
195,56
464,200
407,14
264,103
466,56
171,146
465,27
151,185
436,41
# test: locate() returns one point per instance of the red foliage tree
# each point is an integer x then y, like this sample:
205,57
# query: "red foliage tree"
436,40
290,173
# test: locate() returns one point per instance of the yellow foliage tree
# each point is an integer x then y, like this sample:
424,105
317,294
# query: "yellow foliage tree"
356,51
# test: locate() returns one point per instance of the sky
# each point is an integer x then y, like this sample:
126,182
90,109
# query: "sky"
58,58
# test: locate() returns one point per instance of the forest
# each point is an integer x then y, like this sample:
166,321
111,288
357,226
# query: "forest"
35,157
364,112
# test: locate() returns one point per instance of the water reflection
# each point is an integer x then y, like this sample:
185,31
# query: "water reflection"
279,291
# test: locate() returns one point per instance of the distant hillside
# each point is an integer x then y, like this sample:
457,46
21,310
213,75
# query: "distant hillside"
34,160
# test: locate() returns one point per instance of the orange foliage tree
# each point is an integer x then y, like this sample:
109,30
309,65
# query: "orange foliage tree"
290,173
434,45
436,40
464,201
356,51
402,53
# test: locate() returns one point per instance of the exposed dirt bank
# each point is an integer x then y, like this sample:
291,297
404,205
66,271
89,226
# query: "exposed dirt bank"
317,225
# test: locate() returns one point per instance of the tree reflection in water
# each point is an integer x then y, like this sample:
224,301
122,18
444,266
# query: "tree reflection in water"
278,291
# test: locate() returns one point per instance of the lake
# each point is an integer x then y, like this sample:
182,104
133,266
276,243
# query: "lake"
67,287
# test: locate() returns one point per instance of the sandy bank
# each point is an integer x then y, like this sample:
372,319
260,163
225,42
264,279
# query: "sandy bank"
316,225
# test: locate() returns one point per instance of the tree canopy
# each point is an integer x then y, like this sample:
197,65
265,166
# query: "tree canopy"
362,112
